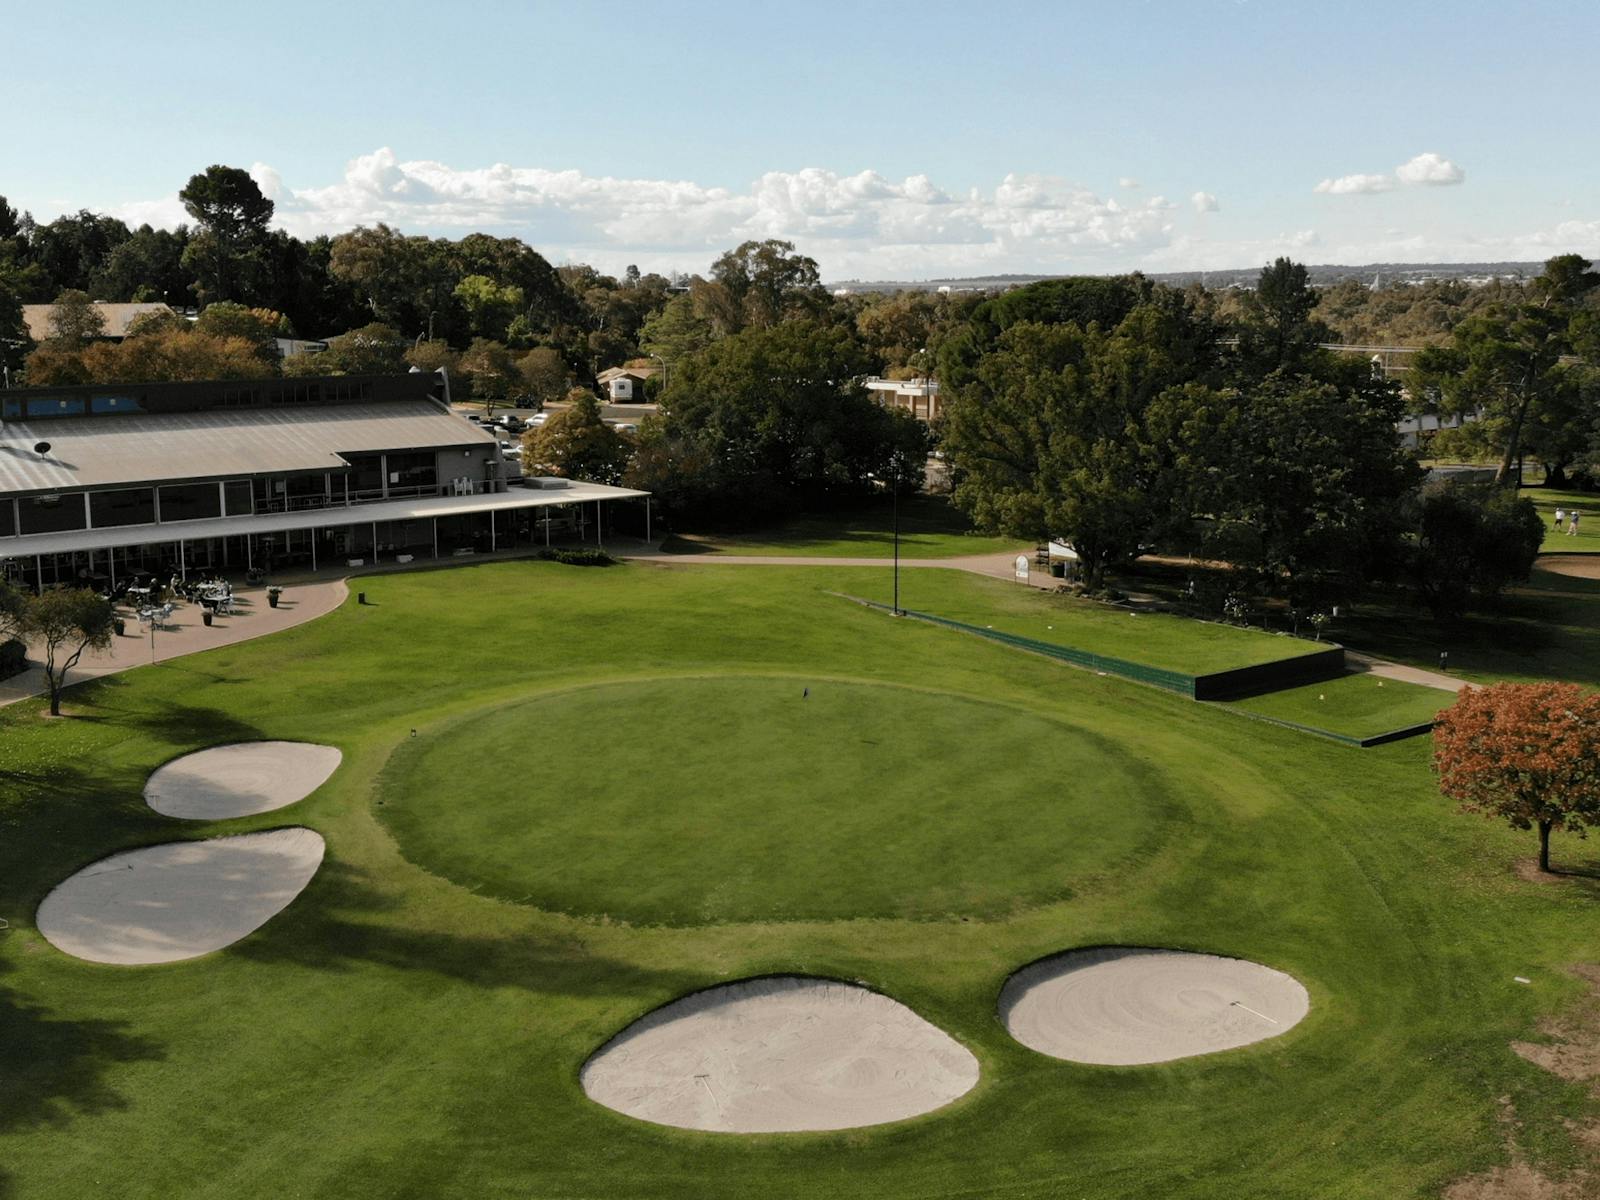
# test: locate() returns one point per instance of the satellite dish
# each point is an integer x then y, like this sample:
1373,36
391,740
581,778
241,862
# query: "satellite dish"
42,448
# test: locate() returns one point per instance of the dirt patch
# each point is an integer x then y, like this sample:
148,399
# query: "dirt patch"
1573,1052
1528,871
1516,1182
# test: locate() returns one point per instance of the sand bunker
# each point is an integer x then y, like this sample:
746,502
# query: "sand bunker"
1122,1006
779,1055
238,780
165,903
1579,566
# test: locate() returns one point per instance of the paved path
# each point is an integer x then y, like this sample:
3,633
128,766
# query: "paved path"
1389,670
997,566
188,634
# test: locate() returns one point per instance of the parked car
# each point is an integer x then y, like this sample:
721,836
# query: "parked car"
538,419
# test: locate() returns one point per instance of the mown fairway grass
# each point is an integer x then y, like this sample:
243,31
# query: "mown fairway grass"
394,1033
1358,706
1559,541
930,527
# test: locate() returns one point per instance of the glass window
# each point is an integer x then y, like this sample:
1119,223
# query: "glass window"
49,514
68,407
237,492
190,502
129,506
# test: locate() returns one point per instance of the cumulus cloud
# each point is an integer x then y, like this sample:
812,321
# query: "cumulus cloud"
1430,169
860,223
1425,170
1356,185
1128,182
1203,202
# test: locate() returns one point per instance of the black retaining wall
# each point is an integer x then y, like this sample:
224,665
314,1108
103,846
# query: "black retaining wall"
1271,676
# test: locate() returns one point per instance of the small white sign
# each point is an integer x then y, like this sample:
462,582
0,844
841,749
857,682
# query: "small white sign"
1022,567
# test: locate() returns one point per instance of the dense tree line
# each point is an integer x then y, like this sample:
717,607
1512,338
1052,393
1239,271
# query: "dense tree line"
1116,412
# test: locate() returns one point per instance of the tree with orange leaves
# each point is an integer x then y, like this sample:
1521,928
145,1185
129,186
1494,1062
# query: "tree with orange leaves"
1528,753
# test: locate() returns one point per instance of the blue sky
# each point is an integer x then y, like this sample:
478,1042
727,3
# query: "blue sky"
887,139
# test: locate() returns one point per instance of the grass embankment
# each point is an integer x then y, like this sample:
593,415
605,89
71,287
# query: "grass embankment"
1358,706
395,1033
930,527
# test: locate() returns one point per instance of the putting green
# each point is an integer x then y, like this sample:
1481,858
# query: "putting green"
686,801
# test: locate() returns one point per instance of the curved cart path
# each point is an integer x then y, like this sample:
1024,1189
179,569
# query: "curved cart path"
186,633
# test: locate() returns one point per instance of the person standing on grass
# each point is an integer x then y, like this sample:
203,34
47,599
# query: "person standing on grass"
1560,512
1572,523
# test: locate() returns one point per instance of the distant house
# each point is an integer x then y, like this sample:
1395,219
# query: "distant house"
117,318
625,385
920,397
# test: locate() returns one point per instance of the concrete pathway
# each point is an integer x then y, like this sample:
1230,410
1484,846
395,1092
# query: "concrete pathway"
1389,670
996,566
187,633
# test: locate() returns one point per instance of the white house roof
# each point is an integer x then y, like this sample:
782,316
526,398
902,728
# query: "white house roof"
151,447
575,492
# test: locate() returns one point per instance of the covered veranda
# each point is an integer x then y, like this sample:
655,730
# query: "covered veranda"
355,536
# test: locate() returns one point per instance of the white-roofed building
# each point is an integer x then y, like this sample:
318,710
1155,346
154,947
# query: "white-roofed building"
101,483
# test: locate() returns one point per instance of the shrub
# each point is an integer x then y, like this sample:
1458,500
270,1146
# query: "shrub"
13,658
578,558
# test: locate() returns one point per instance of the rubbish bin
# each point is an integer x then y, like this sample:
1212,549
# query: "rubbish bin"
205,615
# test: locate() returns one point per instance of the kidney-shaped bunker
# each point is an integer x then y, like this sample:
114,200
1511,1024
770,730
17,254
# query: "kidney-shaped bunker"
780,1055
239,779
179,900
1123,1005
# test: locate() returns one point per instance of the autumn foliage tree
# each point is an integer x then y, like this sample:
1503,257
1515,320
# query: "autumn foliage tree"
1526,753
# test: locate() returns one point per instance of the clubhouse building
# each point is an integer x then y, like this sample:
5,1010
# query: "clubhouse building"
101,483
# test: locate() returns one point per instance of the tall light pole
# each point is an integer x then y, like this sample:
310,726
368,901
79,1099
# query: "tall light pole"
894,492
663,363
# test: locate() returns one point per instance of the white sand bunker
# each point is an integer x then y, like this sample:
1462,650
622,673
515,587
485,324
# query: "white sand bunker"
1122,1006
241,779
780,1055
181,900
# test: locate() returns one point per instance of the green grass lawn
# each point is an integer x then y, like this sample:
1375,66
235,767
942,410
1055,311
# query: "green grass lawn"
1358,705
406,1028
1587,539
930,527
688,835
1155,639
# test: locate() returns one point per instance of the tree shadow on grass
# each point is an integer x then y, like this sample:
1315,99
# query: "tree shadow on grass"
53,1068
343,920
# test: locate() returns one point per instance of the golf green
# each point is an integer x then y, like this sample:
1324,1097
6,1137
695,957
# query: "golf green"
693,800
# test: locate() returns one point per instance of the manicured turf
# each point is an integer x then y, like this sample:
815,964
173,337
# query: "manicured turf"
930,527
1153,639
682,801
1558,541
394,1033
1358,706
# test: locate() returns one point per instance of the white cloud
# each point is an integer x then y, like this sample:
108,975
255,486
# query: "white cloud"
1427,170
1430,169
268,180
1203,202
1128,182
1356,185
852,224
